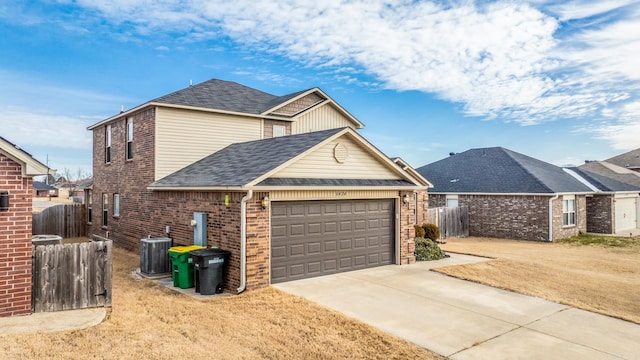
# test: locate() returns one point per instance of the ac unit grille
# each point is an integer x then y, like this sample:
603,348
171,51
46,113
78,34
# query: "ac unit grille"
154,257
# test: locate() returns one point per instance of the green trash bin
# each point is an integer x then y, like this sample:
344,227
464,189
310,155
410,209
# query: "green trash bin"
182,265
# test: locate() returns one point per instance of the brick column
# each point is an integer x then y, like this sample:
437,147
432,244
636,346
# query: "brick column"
407,231
15,241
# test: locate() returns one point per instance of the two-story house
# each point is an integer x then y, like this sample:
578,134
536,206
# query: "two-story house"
288,184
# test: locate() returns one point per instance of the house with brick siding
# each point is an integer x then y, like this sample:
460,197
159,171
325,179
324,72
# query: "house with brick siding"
287,183
510,195
17,169
613,208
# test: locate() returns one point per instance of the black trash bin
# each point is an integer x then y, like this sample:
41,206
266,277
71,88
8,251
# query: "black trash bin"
209,267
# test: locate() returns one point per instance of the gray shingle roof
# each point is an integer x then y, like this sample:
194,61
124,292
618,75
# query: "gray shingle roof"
498,170
612,171
39,185
239,164
604,183
630,159
225,95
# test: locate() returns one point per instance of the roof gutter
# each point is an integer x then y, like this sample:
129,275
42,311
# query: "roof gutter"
243,241
551,216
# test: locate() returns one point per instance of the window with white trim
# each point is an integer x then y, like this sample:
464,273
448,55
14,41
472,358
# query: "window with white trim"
116,205
568,210
89,206
129,149
452,200
105,209
107,143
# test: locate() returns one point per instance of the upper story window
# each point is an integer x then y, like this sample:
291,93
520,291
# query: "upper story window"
568,210
107,153
129,149
279,130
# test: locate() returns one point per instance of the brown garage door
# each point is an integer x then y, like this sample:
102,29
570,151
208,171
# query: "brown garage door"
313,238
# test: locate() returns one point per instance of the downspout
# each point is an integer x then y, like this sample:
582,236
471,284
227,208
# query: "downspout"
243,241
551,216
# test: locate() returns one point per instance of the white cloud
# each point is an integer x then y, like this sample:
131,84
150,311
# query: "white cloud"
571,10
503,59
622,130
26,128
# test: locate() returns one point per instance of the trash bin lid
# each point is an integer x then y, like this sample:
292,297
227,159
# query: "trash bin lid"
185,249
210,252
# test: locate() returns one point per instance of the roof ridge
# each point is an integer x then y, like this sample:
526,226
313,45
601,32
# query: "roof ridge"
510,154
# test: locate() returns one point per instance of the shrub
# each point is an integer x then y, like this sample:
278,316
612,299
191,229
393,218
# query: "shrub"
419,231
431,231
427,249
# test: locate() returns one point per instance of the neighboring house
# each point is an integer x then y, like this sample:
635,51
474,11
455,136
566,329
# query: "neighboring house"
612,171
509,195
288,185
629,160
41,189
614,206
17,169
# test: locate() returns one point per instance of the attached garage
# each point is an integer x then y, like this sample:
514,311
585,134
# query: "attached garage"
625,213
314,238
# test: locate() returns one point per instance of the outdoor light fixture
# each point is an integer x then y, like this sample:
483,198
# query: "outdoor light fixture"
265,202
227,200
4,201
405,199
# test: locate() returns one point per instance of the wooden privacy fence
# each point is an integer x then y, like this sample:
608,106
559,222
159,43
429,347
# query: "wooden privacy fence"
65,220
452,221
71,276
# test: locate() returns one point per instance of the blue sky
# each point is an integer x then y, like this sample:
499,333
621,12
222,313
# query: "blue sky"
556,80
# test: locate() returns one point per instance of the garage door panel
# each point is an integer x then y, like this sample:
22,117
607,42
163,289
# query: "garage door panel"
331,237
626,214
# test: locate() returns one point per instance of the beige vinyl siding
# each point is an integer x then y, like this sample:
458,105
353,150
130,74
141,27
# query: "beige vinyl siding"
321,164
185,136
290,195
322,118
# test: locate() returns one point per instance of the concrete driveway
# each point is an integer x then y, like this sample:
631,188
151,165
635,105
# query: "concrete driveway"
465,320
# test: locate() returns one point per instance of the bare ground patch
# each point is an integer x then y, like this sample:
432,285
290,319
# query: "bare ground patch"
595,278
151,322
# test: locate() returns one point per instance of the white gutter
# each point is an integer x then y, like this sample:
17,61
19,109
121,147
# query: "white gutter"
551,216
243,241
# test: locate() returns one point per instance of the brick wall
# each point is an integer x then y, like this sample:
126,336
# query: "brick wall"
599,214
516,216
15,241
562,232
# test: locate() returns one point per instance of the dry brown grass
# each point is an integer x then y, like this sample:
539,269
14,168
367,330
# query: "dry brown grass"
149,321
595,278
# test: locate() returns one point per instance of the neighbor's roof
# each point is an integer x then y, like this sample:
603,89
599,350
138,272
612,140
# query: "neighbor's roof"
629,160
248,164
612,171
30,166
500,171
39,185
604,183
228,96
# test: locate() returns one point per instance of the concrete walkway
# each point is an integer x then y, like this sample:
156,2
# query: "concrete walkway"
52,321
465,320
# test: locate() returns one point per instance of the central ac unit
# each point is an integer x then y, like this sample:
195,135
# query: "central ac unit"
154,257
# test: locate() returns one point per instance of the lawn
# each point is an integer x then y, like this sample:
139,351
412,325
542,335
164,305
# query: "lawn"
149,321
595,273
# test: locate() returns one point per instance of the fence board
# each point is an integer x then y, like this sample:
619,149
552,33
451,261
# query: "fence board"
72,276
66,220
452,221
